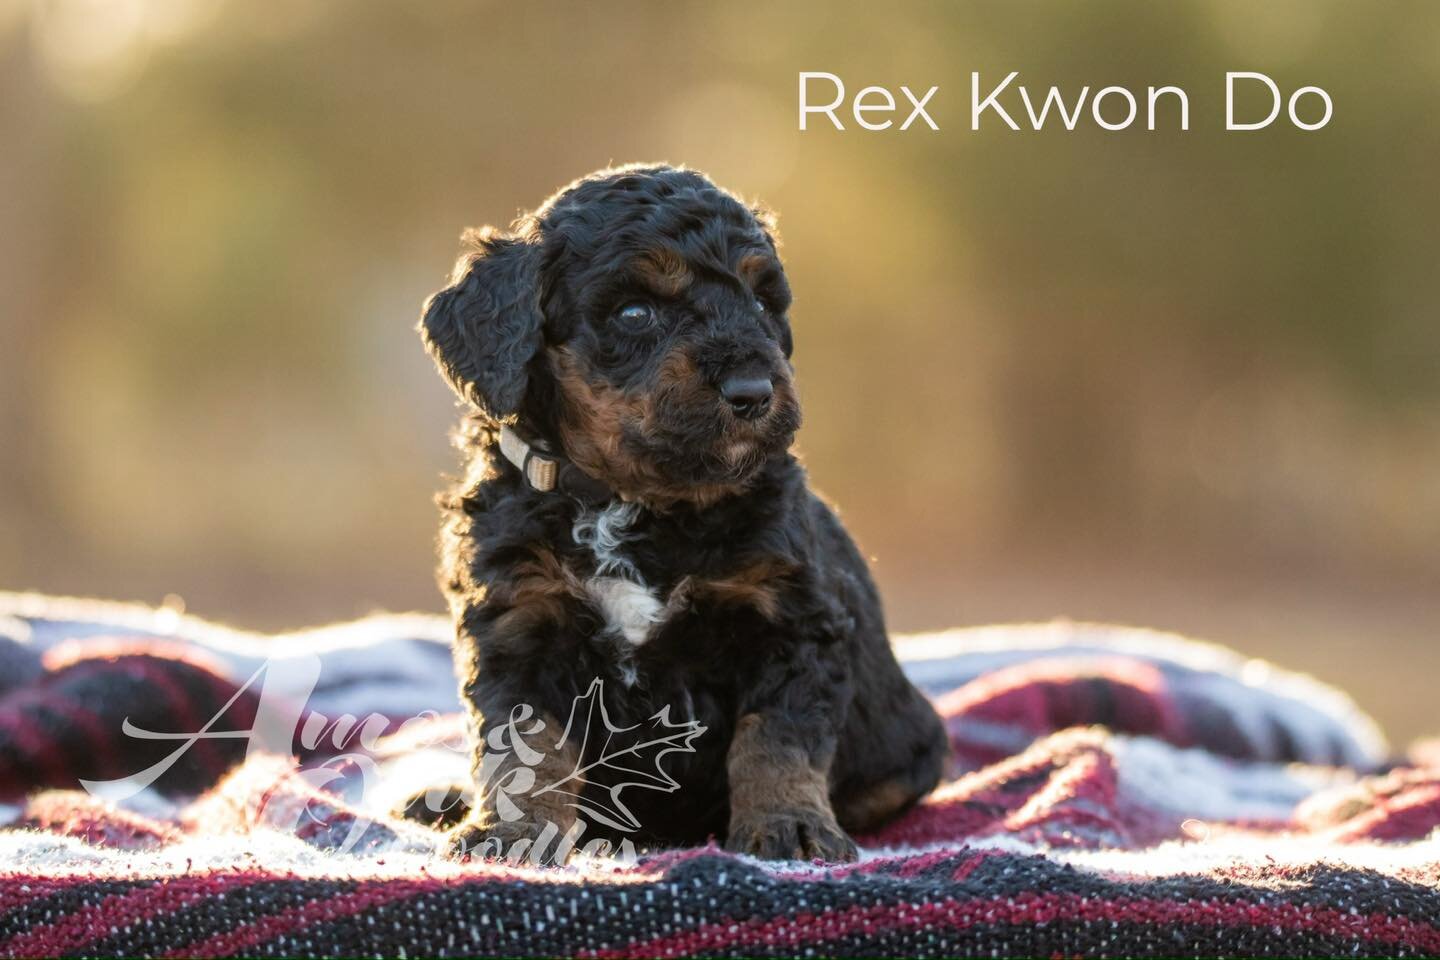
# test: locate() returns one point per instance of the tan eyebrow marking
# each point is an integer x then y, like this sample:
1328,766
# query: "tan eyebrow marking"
752,266
664,271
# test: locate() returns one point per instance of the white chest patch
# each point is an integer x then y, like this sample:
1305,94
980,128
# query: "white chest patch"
631,609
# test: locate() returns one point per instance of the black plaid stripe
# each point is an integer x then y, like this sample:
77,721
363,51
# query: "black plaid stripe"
212,914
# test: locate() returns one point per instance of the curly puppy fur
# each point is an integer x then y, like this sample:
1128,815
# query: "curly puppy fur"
634,323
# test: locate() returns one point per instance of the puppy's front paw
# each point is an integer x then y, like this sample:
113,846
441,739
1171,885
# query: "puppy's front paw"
797,834
517,841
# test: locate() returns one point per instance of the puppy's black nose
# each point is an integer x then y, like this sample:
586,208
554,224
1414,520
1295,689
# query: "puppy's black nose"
749,397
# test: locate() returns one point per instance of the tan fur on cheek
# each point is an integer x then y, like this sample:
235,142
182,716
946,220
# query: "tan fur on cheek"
594,420
678,384
596,416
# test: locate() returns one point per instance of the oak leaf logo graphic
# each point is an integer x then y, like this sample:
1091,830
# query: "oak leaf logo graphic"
633,761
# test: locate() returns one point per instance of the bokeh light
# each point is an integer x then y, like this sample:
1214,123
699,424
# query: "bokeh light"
1184,379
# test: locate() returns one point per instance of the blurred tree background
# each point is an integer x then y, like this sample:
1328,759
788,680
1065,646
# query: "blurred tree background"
1183,379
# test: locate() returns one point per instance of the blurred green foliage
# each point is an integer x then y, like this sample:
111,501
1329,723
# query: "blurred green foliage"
1186,378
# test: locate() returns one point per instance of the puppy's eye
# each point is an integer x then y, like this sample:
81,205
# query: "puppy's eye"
636,316
760,304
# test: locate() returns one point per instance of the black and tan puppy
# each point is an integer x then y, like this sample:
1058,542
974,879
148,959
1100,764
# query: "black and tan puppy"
632,512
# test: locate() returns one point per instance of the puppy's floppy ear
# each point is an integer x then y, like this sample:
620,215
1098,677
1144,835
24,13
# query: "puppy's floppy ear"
484,329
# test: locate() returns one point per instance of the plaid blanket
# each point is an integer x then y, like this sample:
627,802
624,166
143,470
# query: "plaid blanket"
1119,793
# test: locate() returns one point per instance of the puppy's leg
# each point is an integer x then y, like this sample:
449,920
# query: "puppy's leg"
515,620
892,747
779,793
892,750
902,771
516,753
515,817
